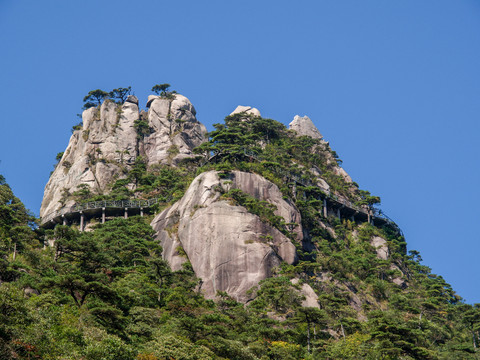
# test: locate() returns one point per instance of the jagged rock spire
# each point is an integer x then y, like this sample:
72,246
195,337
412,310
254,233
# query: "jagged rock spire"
304,126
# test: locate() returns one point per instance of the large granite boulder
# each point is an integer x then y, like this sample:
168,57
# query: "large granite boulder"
175,130
229,248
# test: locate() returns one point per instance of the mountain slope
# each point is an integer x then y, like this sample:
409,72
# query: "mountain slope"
261,219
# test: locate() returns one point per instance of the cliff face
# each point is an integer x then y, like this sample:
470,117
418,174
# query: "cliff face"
103,149
229,248
106,146
174,130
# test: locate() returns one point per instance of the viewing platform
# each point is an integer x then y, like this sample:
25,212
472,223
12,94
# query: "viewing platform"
79,213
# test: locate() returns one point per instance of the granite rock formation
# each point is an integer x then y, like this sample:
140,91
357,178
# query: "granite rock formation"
106,146
95,155
229,248
246,109
175,130
302,125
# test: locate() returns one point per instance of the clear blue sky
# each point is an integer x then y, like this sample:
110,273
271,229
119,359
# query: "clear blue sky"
393,85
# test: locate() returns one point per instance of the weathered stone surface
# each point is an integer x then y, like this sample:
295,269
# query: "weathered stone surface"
311,298
132,99
247,109
400,282
341,172
95,154
320,182
230,249
380,245
107,145
151,98
302,125
176,131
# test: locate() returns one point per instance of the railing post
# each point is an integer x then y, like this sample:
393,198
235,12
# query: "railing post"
141,211
64,221
82,220
103,215
126,213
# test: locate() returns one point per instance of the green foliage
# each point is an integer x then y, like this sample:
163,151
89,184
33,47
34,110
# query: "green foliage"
108,294
367,199
94,98
142,128
163,90
172,347
83,193
79,126
120,95
59,156
264,209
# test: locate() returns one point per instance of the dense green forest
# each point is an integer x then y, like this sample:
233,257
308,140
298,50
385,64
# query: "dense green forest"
108,294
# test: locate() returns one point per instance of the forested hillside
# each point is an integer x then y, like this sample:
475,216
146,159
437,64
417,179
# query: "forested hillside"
108,293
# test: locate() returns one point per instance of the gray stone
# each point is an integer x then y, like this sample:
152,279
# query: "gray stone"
230,249
28,291
95,155
151,98
176,131
107,145
132,99
246,109
381,247
400,282
341,172
304,126
310,297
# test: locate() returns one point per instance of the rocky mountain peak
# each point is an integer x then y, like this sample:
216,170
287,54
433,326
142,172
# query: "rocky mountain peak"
304,126
246,109
107,143
175,130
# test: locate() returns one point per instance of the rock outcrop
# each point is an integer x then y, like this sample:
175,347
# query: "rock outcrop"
107,145
246,109
96,154
381,247
309,295
175,130
229,248
302,125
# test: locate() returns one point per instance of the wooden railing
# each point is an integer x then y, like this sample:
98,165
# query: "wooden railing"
107,204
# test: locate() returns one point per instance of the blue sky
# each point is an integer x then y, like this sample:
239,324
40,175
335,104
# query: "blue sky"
393,85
